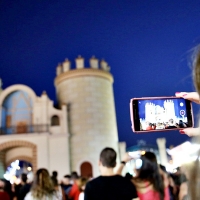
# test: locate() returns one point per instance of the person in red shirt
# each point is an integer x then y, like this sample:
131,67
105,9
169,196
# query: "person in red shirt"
3,195
149,126
74,192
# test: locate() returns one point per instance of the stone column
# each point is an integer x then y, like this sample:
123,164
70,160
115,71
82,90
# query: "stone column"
162,150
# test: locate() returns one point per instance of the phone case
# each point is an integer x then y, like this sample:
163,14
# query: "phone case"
155,98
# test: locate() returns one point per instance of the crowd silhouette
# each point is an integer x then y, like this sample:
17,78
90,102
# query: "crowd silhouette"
151,182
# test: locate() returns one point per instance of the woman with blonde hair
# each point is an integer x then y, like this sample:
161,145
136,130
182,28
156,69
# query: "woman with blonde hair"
81,185
43,188
194,171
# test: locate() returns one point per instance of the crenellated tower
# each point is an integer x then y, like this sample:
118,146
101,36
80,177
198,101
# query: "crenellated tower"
88,94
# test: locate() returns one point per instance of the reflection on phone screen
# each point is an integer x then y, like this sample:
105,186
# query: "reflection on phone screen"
162,114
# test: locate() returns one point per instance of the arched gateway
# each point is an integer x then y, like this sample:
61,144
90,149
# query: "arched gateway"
17,149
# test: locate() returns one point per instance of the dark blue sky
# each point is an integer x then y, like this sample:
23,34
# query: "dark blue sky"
148,45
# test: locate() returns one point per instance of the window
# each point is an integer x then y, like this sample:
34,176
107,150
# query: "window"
55,121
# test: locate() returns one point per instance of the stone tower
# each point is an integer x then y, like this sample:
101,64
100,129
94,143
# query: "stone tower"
88,94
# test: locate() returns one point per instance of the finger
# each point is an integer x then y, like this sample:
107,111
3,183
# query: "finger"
192,96
180,94
190,131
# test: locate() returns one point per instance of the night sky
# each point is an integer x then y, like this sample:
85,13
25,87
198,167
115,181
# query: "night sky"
148,45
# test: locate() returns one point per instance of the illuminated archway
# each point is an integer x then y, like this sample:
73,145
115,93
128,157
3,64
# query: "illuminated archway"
21,143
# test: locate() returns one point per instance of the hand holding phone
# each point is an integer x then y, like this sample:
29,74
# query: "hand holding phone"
192,96
160,114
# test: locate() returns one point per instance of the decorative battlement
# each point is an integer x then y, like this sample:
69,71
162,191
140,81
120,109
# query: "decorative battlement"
94,64
64,70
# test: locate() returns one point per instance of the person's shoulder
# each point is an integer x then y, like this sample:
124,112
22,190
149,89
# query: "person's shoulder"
128,183
121,178
102,179
94,180
127,186
105,178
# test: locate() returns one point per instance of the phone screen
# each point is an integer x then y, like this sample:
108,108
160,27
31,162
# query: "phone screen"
162,114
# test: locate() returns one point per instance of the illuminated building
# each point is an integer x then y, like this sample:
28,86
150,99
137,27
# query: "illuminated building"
68,138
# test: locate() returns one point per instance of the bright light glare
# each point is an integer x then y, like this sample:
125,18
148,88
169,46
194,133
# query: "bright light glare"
11,171
183,154
186,147
29,168
138,163
134,154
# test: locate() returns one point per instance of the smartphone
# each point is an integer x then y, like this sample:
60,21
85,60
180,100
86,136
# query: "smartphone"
160,114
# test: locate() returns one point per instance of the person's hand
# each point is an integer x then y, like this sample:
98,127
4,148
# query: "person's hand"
190,131
192,96
126,158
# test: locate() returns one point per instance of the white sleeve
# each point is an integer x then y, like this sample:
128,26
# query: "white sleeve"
81,196
28,196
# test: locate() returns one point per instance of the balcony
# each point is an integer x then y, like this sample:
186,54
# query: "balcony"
24,129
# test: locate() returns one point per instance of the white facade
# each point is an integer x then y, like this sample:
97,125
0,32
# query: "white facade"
66,138
48,154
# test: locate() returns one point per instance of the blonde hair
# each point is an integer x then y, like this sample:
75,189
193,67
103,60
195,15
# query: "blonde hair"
42,185
196,69
81,182
194,172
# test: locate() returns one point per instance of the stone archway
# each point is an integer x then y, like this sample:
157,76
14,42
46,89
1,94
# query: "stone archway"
21,143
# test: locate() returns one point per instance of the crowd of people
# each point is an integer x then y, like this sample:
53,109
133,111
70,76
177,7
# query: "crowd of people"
166,125
44,187
152,182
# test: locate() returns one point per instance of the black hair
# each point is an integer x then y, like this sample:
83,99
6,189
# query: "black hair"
55,174
149,171
108,157
128,176
67,176
24,177
163,168
74,175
